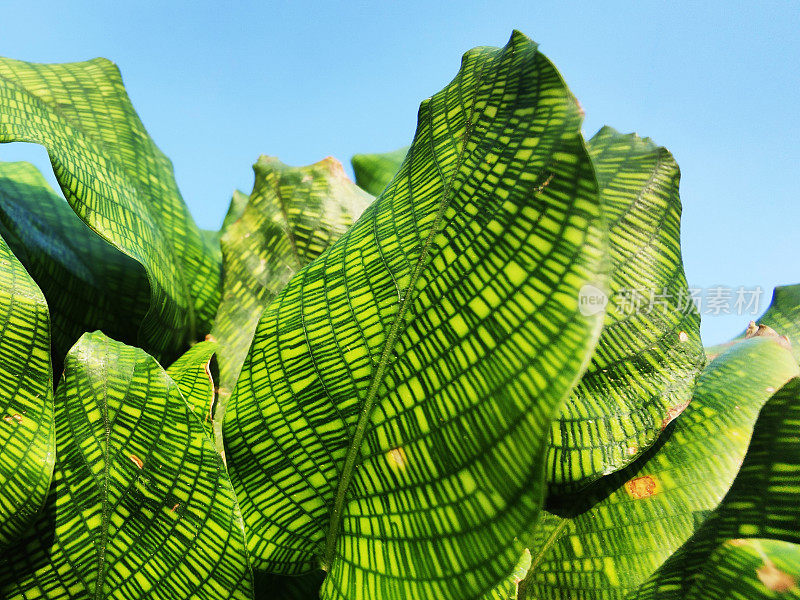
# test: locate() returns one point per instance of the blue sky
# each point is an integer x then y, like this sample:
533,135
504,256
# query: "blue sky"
217,84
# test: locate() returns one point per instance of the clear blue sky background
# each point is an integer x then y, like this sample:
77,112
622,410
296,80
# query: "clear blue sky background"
217,84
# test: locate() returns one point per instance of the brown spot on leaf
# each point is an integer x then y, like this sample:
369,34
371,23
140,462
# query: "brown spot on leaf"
397,458
762,330
642,487
137,461
673,413
774,579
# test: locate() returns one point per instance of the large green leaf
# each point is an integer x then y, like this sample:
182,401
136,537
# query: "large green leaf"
391,418
649,355
782,315
119,183
140,504
27,437
605,541
374,171
292,215
763,502
88,283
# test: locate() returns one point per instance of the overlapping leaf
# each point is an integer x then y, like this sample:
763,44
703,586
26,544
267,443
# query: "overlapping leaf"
119,183
140,504
374,171
27,438
649,354
605,542
782,315
763,502
292,215
192,373
88,283
391,418
750,570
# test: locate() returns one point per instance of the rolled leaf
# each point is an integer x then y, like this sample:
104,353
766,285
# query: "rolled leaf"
607,540
375,171
120,184
88,283
644,368
192,373
140,504
391,418
27,436
290,218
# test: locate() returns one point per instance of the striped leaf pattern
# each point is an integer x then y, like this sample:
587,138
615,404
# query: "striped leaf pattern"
750,570
192,373
606,541
292,215
140,504
374,171
649,355
88,283
120,184
27,439
391,417
763,502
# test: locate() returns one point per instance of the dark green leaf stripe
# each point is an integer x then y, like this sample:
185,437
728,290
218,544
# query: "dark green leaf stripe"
782,315
88,283
119,183
649,355
192,373
140,504
764,501
292,215
27,442
605,542
375,171
391,417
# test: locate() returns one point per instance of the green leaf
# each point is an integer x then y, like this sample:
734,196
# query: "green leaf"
140,504
290,218
391,417
750,570
375,171
507,589
27,437
119,183
763,502
88,283
605,541
649,355
782,315
192,373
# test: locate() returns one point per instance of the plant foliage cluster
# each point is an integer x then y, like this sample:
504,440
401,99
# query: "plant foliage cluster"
397,389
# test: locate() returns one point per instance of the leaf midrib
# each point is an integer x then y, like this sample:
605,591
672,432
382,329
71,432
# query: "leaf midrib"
366,411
